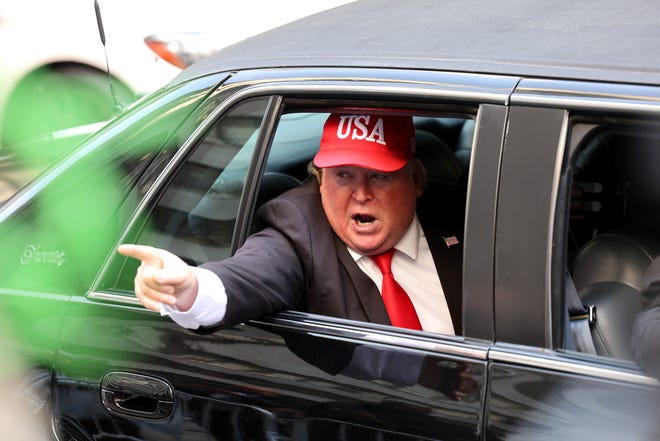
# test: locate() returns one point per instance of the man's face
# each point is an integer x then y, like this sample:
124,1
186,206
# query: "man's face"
370,210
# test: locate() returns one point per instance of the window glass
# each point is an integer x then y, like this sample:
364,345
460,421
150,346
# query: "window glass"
195,214
56,237
613,231
294,145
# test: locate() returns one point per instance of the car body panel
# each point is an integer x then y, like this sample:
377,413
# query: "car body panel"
272,377
585,399
522,277
120,371
481,221
562,41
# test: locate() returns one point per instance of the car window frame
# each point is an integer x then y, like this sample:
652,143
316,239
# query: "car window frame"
447,89
569,101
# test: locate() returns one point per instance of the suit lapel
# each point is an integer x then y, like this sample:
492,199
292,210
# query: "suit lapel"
365,291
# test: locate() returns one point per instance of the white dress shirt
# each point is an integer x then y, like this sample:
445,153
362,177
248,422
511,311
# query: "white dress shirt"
412,267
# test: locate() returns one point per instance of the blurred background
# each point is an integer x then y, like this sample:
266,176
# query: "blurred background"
58,71
61,79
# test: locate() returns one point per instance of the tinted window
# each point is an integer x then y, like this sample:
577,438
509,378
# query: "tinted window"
56,235
195,213
613,228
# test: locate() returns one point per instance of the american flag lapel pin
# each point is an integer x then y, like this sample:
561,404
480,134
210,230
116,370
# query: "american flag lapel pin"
451,240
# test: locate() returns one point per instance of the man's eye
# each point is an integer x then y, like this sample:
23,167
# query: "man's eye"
378,176
343,174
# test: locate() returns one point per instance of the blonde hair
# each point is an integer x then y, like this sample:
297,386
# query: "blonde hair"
313,170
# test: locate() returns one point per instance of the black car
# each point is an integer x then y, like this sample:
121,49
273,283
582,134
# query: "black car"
539,125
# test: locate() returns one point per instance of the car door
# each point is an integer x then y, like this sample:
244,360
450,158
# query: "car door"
574,198
53,233
124,371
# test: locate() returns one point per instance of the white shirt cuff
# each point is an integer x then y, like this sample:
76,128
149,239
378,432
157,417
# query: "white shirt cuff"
209,307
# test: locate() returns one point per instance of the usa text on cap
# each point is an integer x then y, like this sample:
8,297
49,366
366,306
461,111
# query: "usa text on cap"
378,142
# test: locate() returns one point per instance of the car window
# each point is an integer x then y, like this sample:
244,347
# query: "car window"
613,194
195,213
57,231
295,142
443,144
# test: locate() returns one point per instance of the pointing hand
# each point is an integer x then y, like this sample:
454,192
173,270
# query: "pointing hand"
161,278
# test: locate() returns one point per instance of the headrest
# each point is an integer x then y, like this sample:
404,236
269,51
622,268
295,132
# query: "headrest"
440,162
612,258
273,184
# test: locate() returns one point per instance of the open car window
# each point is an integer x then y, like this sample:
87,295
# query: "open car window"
196,213
443,144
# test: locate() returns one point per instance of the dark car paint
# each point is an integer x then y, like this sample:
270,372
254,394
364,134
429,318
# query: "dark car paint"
285,377
595,40
253,381
551,395
278,374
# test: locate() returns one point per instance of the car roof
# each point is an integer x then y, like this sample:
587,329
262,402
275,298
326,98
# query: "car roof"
606,40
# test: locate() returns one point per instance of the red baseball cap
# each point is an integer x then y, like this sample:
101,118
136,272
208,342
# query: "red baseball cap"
378,142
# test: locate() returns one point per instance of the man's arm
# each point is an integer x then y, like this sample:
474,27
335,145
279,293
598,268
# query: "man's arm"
264,276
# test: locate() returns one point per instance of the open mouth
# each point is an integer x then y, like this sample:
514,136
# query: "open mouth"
363,219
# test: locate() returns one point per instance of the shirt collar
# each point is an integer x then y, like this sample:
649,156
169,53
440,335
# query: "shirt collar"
408,244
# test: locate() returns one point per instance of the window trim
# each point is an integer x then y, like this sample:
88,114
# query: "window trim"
584,103
352,330
419,94
571,363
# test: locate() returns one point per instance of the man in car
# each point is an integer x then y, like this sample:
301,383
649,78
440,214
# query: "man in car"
319,244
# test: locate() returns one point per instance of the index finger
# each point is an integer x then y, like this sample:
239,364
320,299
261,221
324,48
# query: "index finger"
145,253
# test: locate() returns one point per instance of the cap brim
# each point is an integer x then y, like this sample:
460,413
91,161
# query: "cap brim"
370,160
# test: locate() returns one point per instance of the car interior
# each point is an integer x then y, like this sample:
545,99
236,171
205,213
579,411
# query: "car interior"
613,230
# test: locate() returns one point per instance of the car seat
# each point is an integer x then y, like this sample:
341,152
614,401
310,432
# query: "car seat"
608,269
446,185
463,150
457,133
608,274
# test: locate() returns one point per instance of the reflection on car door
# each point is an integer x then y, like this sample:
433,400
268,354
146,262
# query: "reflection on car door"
538,395
296,375
126,372
538,387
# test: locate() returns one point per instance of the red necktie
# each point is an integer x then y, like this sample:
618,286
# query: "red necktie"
399,307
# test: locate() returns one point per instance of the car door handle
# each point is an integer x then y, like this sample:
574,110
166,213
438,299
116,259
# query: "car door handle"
137,395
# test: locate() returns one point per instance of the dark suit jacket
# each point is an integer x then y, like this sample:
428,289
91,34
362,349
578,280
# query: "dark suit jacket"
295,261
